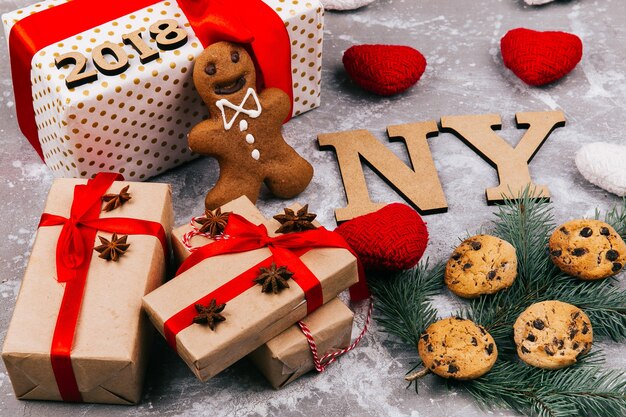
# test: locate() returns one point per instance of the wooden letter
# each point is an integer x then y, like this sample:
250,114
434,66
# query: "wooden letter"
118,66
168,35
79,75
420,186
146,53
477,132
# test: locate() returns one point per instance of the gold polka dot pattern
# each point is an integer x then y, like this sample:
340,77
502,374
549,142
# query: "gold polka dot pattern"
304,21
136,122
11,18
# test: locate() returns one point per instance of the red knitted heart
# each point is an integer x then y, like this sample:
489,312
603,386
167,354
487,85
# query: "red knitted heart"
384,69
393,238
539,58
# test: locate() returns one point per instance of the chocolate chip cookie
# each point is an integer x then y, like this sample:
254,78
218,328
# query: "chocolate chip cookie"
480,265
552,334
457,348
587,249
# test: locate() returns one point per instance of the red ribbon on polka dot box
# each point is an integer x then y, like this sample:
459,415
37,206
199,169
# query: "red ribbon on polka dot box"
110,88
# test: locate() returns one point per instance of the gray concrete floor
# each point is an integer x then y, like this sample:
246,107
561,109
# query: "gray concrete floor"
465,75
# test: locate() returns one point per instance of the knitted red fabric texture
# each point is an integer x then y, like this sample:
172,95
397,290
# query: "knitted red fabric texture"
393,238
539,58
384,69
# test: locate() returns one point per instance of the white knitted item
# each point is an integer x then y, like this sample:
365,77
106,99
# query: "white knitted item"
345,4
604,164
537,2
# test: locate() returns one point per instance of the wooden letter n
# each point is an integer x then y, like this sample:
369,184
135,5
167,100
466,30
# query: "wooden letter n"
419,185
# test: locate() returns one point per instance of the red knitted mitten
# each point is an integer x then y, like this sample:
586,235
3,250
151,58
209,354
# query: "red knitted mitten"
384,69
392,239
539,58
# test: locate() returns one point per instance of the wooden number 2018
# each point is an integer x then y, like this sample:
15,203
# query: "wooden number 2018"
167,34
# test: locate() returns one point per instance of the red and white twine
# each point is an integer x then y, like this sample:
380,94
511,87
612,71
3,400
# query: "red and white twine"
324,361
195,231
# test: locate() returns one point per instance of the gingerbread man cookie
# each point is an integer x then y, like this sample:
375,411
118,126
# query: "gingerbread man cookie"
243,131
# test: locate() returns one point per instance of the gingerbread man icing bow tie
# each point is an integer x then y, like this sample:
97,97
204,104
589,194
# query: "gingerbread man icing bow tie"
254,152
253,113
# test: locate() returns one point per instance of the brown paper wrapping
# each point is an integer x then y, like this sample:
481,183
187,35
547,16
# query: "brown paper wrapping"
109,354
287,357
252,318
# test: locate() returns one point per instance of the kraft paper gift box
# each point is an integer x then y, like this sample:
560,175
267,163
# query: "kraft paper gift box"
130,108
108,351
288,356
252,317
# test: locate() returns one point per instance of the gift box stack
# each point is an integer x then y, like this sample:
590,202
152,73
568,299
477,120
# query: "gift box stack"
220,273
112,91
79,334
286,356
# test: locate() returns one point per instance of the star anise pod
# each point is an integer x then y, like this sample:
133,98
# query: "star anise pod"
114,201
111,250
273,279
209,314
296,222
213,222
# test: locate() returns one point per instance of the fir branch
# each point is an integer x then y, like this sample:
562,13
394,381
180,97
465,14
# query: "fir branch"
584,389
527,224
616,218
603,301
497,314
580,390
403,300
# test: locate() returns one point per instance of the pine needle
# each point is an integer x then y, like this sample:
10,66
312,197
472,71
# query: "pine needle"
403,300
403,303
616,218
582,390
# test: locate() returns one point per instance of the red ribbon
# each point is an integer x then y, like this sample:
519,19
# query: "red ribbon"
73,256
249,22
286,250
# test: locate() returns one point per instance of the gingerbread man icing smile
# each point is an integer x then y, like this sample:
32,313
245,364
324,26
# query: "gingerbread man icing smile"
244,129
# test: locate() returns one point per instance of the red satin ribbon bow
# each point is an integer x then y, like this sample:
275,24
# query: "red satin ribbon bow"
286,250
249,22
73,256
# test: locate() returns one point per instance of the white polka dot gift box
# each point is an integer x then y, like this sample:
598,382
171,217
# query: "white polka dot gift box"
111,88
